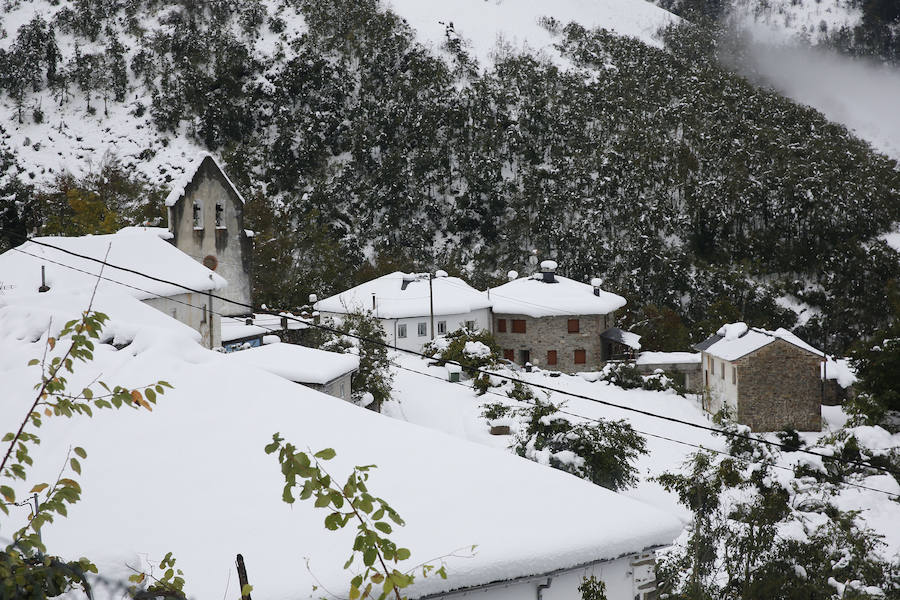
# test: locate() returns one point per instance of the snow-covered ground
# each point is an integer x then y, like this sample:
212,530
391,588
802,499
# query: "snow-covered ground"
419,397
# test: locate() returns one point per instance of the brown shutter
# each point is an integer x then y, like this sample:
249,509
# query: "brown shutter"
573,326
580,357
509,355
518,325
551,357
501,325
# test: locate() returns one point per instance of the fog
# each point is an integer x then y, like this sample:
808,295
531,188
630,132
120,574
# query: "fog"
859,93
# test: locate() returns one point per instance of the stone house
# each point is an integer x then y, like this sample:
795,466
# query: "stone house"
328,372
554,322
33,267
412,309
206,219
767,380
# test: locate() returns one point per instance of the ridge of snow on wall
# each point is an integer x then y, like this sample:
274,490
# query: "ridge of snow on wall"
506,505
533,297
143,252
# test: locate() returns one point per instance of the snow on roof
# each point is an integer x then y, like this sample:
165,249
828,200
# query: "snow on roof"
298,363
236,328
215,423
400,295
536,298
671,358
159,231
20,268
630,339
182,182
734,340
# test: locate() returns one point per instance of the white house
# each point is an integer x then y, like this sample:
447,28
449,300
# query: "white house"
31,267
329,372
206,222
405,302
536,531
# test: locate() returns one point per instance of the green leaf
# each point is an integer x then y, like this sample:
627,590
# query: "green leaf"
245,591
383,527
80,452
349,561
150,395
76,466
326,454
33,362
8,493
403,553
369,556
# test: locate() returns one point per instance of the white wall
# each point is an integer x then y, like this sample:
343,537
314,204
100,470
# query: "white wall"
188,308
413,341
722,392
622,581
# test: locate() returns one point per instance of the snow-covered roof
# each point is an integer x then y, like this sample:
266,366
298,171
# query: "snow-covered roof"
182,182
236,328
670,358
630,339
534,297
734,340
205,439
399,295
158,231
20,268
298,363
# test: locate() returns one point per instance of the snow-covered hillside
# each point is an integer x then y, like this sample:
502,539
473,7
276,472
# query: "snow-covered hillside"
806,19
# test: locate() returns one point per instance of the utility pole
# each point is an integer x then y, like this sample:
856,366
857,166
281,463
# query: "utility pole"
431,303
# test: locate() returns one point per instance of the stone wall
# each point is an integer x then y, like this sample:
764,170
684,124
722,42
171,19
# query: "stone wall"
552,333
778,387
226,249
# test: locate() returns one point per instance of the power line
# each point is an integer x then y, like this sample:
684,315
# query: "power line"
541,386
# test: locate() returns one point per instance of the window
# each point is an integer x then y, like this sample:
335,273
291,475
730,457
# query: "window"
518,325
423,329
442,327
734,375
723,369
551,357
401,330
198,215
342,392
509,354
580,357
573,325
712,365
220,216
470,325
501,325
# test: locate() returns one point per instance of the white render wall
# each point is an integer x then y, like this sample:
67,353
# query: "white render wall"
722,392
189,309
413,341
623,582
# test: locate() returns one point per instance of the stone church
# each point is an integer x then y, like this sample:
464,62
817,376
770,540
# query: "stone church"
206,219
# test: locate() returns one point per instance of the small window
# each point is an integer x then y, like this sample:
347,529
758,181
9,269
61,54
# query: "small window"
518,325
342,392
501,325
442,327
401,330
580,357
198,215
423,329
723,370
470,325
712,366
551,357
733,375
573,325
220,216
509,354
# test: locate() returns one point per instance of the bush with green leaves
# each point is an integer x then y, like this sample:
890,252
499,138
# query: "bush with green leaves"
362,334
472,350
627,376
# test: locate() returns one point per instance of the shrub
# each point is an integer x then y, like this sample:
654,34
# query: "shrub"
472,350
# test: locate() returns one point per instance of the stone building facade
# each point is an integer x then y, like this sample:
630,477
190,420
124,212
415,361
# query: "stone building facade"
776,386
558,343
206,218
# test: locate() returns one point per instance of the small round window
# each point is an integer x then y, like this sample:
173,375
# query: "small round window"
211,262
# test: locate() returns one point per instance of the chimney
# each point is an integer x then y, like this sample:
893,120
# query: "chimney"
512,275
596,282
44,287
548,268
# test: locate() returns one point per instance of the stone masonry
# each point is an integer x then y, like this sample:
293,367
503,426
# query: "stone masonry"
779,386
551,333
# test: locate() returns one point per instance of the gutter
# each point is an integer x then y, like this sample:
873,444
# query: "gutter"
548,576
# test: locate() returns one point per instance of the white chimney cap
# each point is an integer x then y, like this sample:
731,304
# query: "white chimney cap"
313,298
548,265
440,273
597,281
408,277
512,275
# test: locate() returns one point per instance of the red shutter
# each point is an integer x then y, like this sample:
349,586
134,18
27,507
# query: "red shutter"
580,357
573,326
509,355
501,325
551,357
